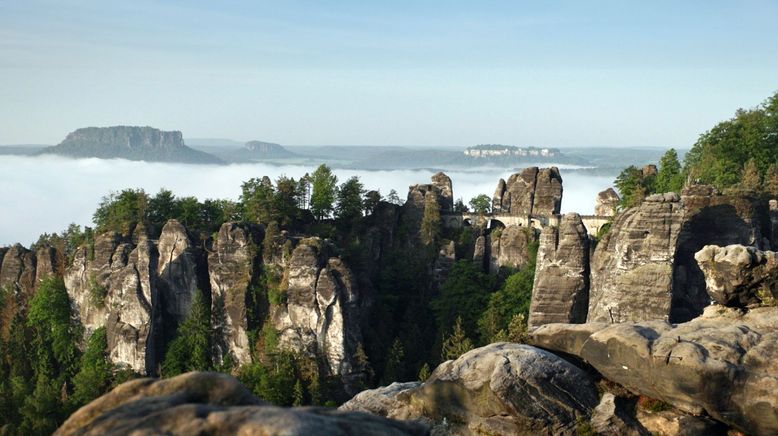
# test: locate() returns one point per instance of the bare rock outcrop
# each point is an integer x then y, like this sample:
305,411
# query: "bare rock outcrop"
561,289
611,418
532,192
17,273
509,247
723,363
320,316
736,275
177,269
606,203
445,191
632,266
214,404
233,266
501,388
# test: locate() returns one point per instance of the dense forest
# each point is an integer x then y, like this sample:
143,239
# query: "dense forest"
49,369
736,155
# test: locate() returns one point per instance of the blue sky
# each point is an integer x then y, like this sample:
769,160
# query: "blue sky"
594,73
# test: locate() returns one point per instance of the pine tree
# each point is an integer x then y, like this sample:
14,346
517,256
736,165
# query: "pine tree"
350,203
191,349
430,222
457,343
298,399
517,329
94,375
424,372
771,180
751,181
324,189
669,177
393,371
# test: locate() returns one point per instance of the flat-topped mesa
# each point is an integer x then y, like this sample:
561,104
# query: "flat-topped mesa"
534,191
129,142
561,289
606,203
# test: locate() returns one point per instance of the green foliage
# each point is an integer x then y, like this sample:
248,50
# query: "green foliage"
393,198
457,343
430,222
720,154
424,372
512,299
190,350
349,196
394,369
97,292
463,296
94,374
121,211
632,187
669,177
286,201
257,200
324,185
459,206
751,181
481,204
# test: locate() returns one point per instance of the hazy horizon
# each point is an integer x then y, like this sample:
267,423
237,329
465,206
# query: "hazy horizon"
604,74
45,194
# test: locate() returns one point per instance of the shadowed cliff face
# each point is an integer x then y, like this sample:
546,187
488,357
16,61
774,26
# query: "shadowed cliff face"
644,268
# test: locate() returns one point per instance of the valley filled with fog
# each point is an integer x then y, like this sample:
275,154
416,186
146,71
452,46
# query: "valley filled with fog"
45,194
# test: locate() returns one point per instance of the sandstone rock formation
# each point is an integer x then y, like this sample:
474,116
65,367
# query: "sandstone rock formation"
509,247
606,203
214,404
232,268
724,363
129,142
17,273
644,268
501,388
610,418
532,192
561,289
735,275
632,266
445,191
177,269
321,312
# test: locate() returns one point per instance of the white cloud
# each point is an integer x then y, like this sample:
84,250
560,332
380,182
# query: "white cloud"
45,194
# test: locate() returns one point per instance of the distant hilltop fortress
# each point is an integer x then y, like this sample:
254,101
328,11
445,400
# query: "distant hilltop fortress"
493,150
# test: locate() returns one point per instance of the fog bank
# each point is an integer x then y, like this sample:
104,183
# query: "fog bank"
45,194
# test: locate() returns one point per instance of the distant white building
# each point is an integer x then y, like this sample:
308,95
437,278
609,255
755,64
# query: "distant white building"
489,150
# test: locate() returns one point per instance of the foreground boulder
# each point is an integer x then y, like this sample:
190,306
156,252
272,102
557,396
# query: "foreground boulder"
736,274
214,404
724,363
501,388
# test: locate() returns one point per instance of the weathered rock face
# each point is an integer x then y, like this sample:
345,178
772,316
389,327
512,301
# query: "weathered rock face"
117,285
561,289
548,192
232,267
498,389
711,219
510,249
321,313
132,302
214,404
445,191
735,274
724,362
632,266
610,418
443,263
533,191
177,269
18,271
606,203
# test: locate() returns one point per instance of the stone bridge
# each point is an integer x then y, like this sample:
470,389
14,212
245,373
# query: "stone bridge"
593,223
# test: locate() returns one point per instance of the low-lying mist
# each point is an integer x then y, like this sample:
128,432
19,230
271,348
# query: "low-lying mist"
45,194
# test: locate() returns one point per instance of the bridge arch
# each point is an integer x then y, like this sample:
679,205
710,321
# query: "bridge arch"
494,223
